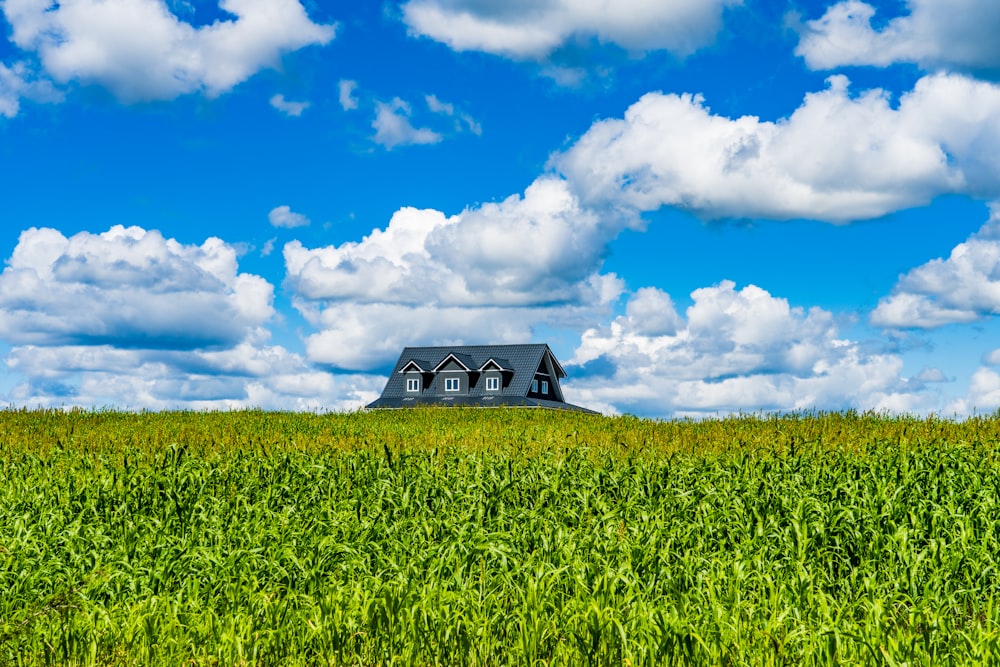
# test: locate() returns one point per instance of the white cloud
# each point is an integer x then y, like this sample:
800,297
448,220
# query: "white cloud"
567,77
837,157
534,29
12,87
531,250
488,274
954,35
249,375
284,216
734,350
983,395
463,121
365,336
128,287
437,106
130,319
348,101
931,375
963,288
393,127
139,50
651,312
992,358
288,107
17,82
268,246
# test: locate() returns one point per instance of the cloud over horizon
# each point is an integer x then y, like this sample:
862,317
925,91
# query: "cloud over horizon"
129,318
733,350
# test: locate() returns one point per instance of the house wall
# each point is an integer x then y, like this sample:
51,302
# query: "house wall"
409,375
463,378
491,374
550,394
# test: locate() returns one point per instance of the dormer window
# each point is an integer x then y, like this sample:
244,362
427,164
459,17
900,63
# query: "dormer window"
412,384
452,384
545,386
493,384
534,386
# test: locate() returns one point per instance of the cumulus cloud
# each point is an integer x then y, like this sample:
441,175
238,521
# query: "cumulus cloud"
18,82
963,288
955,35
393,127
534,29
983,395
491,273
288,107
139,50
838,157
127,287
348,101
249,375
131,319
733,350
284,216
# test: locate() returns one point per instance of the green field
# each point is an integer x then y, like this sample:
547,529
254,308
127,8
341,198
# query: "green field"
493,537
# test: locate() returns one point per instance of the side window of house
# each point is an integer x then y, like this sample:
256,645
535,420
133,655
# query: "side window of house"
492,384
451,384
545,387
412,384
534,386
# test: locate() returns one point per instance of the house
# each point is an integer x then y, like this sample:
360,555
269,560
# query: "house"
476,375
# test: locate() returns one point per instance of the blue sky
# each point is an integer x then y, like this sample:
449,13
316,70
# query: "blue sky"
703,206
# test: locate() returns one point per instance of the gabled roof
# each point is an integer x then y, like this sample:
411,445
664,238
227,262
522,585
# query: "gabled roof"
464,360
496,364
520,360
417,364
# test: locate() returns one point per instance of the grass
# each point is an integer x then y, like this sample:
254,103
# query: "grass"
490,537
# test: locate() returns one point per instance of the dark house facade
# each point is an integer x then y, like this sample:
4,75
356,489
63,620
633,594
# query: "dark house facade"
476,375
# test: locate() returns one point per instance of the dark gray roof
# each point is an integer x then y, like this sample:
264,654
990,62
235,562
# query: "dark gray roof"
523,360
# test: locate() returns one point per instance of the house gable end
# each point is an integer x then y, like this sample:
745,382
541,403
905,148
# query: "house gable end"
415,366
496,365
451,366
458,361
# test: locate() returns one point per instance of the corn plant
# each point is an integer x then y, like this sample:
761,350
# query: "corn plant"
494,537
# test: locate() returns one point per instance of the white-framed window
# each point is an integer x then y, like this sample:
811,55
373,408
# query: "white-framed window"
545,386
412,384
534,386
452,384
493,384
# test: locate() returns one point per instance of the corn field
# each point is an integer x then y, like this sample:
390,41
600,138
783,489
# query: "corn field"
497,537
